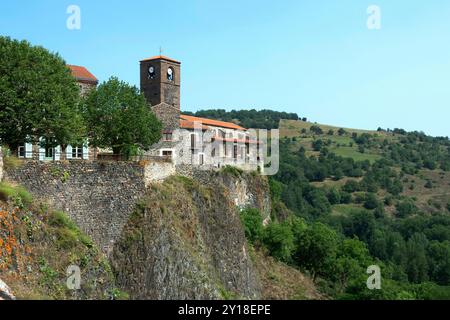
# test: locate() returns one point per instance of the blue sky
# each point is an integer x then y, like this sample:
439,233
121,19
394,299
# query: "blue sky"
316,58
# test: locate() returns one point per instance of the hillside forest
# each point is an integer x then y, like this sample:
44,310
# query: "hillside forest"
346,199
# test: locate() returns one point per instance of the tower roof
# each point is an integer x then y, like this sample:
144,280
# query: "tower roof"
160,57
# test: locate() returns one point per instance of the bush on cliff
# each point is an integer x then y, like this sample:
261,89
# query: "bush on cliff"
253,224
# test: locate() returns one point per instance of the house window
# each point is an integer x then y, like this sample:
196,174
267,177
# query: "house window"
21,152
213,152
167,136
192,140
247,148
235,152
166,153
49,152
201,159
77,152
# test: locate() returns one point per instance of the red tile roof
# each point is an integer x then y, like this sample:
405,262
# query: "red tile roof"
184,124
214,123
82,74
161,57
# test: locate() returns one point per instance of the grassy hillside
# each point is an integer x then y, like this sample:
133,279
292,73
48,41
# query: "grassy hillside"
341,144
429,199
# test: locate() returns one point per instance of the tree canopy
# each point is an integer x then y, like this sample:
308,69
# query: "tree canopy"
119,117
38,96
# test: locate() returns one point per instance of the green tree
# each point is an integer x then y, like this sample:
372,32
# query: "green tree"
39,97
371,201
118,117
316,250
439,258
417,265
317,145
334,196
351,262
405,208
279,240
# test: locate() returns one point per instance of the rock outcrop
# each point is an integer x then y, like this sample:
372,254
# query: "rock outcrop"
5,292
186,242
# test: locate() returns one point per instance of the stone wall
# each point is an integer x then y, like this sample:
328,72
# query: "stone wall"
158,171
98,196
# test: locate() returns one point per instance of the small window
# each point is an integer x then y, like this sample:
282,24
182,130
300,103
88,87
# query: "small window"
21,152
49,152
193,141
77,152
167,153
235,152
167,136
201,159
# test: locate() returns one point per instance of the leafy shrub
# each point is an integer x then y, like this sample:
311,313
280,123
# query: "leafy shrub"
234,171
429,184
60,219
252,223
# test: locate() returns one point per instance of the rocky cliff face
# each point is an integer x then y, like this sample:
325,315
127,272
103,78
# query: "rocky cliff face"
186,240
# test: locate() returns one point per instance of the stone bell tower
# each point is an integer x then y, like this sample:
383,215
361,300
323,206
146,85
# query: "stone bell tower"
160,81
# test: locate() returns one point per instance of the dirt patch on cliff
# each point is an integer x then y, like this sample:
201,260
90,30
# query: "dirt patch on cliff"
282,282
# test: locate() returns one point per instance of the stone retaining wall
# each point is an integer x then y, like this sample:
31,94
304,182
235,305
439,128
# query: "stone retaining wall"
98,196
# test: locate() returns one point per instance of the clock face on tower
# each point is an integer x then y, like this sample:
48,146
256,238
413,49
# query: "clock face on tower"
151,72
170,74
